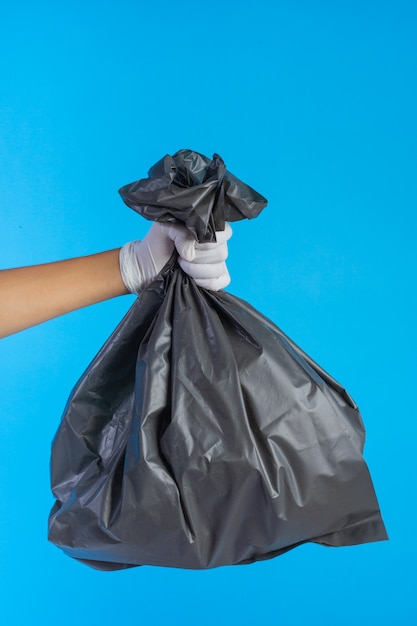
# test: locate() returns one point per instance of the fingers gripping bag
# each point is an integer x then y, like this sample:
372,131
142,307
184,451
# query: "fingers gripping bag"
201,435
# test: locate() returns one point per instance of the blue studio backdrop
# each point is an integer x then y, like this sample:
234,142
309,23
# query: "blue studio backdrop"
312,104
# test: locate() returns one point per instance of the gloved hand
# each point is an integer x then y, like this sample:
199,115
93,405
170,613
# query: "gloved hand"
141,261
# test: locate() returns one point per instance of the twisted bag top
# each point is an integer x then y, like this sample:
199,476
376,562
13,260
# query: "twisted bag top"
191,189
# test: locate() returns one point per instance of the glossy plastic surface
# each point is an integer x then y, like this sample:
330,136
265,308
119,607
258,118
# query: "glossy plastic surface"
202,436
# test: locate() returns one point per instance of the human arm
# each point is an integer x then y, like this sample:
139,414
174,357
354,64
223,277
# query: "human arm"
35,294
32,295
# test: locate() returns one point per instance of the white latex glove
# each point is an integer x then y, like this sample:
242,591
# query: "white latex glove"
141,261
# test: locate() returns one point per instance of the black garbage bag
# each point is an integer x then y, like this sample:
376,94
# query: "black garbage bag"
201,435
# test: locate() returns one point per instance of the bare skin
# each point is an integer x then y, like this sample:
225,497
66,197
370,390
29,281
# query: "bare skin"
35,294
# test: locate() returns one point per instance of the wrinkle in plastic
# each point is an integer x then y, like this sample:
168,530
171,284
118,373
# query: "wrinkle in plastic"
201,435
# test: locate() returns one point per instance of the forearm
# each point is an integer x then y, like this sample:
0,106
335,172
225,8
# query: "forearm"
31,295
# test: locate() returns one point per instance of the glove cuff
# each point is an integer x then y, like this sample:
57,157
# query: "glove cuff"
130,269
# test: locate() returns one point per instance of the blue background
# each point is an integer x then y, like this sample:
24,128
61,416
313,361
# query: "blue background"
314,105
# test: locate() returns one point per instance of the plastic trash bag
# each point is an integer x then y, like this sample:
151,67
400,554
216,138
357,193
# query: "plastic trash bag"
201,435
